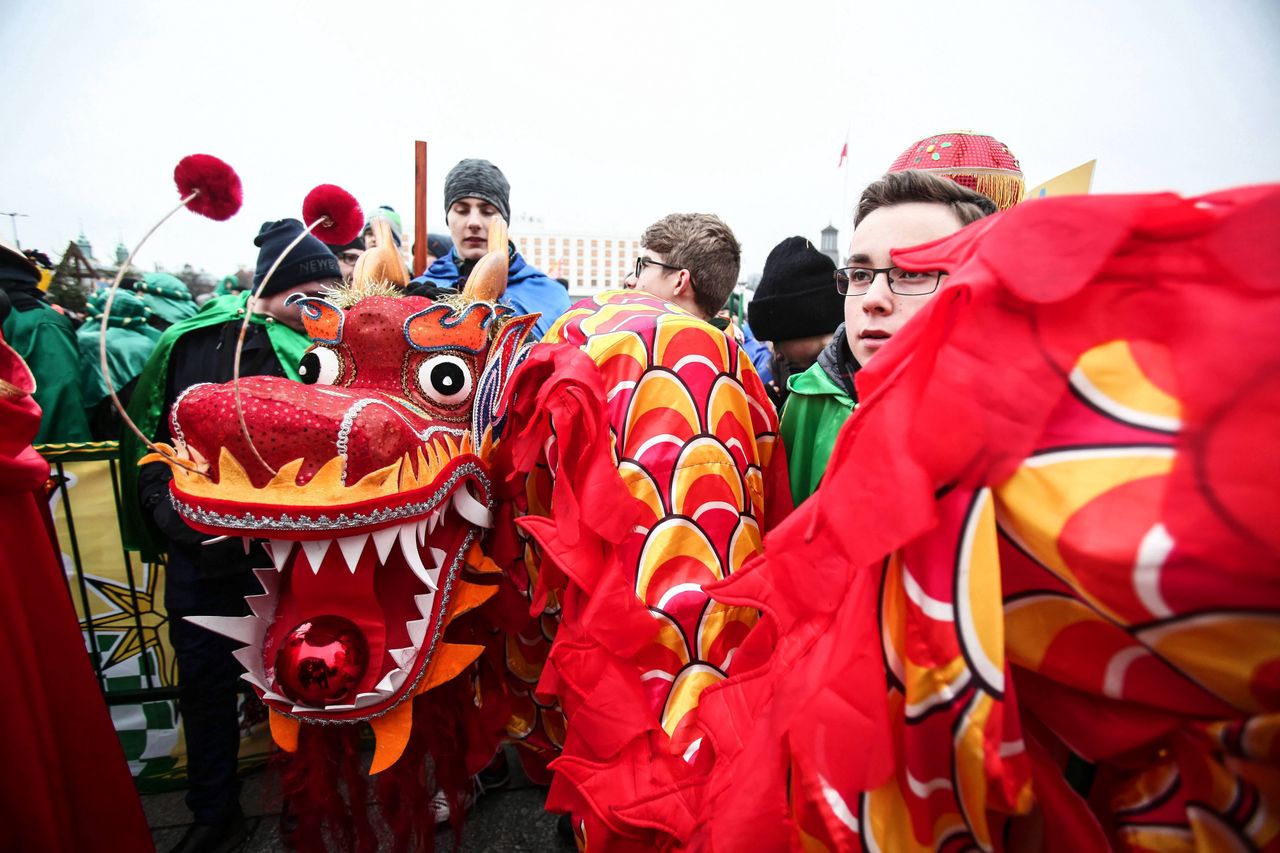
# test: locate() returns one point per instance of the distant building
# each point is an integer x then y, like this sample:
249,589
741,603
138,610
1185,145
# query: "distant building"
831,243
86,248
590,261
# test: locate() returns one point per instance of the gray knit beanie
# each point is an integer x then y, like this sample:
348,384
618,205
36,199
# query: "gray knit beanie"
478,179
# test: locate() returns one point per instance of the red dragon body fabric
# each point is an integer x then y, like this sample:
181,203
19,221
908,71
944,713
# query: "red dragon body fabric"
66,784
1035,603
646,466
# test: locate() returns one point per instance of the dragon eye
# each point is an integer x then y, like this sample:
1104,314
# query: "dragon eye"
320,366
445,379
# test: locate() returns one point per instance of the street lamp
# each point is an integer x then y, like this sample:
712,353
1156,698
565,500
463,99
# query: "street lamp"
13,221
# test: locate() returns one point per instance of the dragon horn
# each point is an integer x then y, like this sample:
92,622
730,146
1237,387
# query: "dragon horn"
384,262
488,281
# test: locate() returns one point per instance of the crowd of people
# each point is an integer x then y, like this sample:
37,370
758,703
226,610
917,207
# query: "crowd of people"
159,344
810,327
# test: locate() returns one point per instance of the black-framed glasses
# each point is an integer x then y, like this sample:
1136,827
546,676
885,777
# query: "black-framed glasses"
641,263
857,280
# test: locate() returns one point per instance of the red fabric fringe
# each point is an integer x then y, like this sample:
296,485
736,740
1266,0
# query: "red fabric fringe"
327,787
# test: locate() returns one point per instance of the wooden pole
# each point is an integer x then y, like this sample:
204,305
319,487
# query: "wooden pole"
420,208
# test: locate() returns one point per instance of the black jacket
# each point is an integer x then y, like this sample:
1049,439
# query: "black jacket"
203,355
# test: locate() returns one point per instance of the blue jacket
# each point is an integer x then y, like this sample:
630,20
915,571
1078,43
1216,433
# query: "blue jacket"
529,290
761,355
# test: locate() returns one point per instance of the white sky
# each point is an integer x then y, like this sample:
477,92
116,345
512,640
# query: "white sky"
606,115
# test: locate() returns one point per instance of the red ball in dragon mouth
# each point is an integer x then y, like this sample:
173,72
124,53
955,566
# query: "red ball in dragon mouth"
321,660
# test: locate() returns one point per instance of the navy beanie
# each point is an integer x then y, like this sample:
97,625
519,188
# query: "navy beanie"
796,297
478,179
439,244
308,261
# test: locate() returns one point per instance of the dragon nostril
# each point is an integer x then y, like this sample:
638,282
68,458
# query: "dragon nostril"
322,660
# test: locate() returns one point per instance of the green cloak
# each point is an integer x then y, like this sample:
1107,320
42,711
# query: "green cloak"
148,400
130,340
46,342
167,296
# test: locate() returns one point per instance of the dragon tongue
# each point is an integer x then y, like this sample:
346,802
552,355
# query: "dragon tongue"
332,589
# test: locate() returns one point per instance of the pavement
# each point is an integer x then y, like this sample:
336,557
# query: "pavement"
510,819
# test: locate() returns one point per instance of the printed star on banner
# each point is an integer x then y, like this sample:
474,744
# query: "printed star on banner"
139,626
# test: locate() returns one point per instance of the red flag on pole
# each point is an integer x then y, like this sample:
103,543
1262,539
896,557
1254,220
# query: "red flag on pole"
844,153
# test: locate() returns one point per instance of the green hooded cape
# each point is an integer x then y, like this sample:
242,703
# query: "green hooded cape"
167,296
46,342
130,340
148,400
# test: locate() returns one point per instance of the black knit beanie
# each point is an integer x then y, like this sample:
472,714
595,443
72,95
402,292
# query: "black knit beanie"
796,297
357,243
308,261
478,179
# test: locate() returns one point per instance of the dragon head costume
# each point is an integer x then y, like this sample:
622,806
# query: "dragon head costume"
368,480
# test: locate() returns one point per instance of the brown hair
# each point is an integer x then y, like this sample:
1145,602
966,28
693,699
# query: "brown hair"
911,185
704,245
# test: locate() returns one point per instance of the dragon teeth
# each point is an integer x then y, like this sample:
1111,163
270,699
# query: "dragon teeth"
403,657
250,658
246,629
411,535
264,605
280,551
249,677
363,699
383,540
352,547
315,550
471,509
269,580
417,631
391,682
424,602
409,548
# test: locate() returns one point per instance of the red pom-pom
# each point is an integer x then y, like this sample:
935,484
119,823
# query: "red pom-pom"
339,207
219,185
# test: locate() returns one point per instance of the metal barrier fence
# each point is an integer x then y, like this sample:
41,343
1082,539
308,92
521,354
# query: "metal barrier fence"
142,617
119,600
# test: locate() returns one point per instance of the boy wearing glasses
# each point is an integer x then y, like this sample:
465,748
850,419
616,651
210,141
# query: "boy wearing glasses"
348,255
900,210
691,260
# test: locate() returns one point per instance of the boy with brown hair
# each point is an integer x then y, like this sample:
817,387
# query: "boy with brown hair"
690,259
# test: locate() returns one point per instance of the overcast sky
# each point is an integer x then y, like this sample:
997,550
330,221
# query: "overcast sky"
607,115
